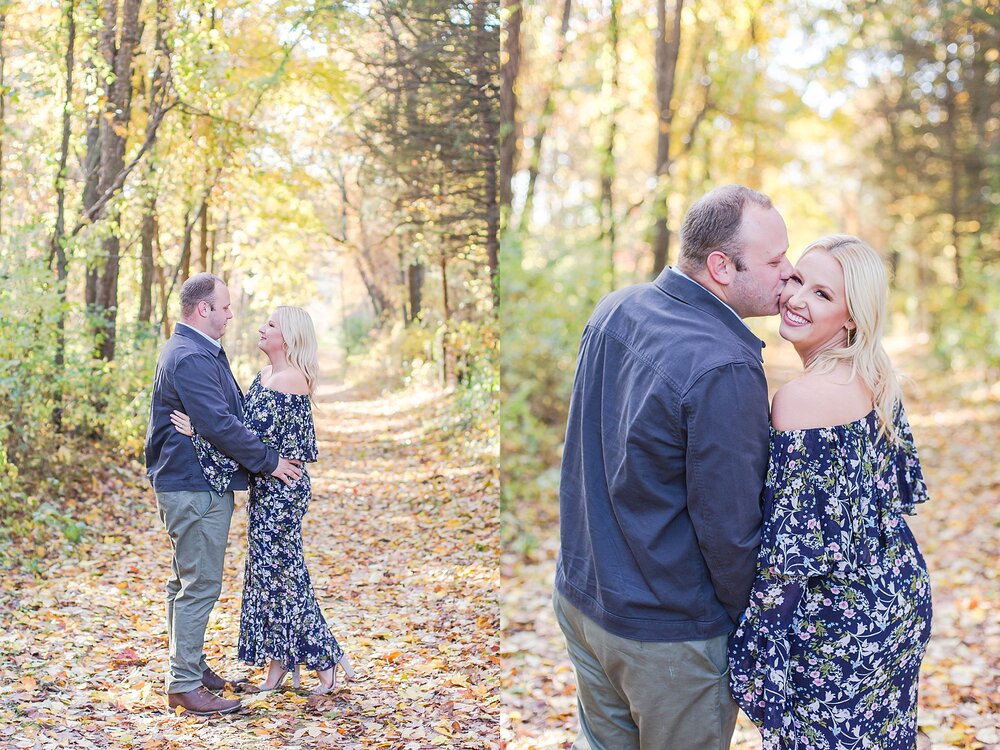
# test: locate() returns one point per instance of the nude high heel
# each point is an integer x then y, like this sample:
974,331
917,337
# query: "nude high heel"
281,679
345,664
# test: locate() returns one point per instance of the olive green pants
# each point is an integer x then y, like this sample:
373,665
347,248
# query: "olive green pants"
647,695
198,525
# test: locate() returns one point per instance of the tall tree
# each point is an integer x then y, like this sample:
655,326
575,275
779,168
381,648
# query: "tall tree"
4,5
117,42
149,227
668,45
59,239
610,95
484,71
510,130
542,123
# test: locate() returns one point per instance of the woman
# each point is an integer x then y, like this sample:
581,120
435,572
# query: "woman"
828,651
281,622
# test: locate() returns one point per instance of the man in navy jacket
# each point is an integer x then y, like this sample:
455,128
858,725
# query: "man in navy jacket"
193,376
663,466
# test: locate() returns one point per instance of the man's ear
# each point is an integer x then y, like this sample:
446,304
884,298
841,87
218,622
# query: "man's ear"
718,266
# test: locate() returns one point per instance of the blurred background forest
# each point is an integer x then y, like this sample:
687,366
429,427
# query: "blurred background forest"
877,119
332,155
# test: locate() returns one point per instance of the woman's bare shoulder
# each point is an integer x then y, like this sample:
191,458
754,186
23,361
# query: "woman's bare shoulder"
815,400
289,381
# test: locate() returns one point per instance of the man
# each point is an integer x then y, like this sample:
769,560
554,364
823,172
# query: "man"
663,466
193,376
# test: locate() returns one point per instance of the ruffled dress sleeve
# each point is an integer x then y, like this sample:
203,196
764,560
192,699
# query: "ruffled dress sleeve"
296,438
216,466
831,499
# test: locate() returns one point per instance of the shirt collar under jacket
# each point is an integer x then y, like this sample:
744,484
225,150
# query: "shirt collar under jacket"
216,344
685,276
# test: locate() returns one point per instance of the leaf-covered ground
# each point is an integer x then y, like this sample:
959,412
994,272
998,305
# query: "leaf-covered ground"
401,542
956,423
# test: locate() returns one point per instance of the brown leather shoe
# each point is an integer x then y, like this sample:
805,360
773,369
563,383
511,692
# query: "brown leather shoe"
211,680
214,682
201,702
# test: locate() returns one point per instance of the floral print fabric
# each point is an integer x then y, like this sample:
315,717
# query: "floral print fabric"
827,653
280,617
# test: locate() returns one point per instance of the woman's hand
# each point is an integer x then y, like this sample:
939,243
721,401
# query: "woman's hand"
182,422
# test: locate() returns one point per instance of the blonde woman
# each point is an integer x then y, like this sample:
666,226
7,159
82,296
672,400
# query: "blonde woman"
280,623
828,651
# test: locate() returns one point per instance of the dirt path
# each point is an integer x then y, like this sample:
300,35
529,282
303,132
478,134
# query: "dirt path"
402,545
956,424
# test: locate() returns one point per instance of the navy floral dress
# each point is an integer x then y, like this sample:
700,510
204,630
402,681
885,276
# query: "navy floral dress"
828,651
280,617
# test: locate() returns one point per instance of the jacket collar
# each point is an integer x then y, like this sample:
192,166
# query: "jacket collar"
190,334
692,293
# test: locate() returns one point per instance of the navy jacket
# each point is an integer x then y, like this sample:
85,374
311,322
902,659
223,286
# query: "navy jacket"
663,466
192,377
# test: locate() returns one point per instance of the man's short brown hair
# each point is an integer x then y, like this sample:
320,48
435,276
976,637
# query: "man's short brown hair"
713,224
199,288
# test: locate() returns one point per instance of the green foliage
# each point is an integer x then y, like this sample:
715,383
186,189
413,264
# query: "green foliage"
478,404
356,333
99,401
549,290
965,321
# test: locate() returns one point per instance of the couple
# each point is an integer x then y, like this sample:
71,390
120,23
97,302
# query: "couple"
712,557
203,442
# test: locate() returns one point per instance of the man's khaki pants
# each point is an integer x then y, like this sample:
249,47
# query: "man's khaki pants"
198,525
645,695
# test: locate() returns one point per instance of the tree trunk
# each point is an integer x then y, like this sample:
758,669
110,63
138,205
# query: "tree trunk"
608,168
415,286
118,53
548,107
203,237
954,186
668,43
510,135
3,103
150,225
486,66
378,300
184,266
446,309
91,170
58,243
148,262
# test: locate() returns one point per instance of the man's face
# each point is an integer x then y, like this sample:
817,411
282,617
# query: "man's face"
756,290
218,314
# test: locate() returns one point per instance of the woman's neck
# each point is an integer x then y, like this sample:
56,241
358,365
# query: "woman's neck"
811,354
279,362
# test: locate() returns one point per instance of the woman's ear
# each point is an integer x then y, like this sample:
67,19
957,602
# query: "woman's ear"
850,325
717,265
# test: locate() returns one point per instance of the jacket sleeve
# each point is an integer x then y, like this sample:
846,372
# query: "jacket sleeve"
204,400
727,431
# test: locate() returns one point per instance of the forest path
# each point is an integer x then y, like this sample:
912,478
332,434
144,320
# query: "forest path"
955,418
401,543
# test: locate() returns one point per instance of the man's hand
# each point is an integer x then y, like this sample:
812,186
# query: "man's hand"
288,471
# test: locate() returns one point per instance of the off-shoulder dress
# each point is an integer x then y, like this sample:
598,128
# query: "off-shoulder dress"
827,654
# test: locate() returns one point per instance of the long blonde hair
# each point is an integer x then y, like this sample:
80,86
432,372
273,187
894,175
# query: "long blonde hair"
866,288
300,342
